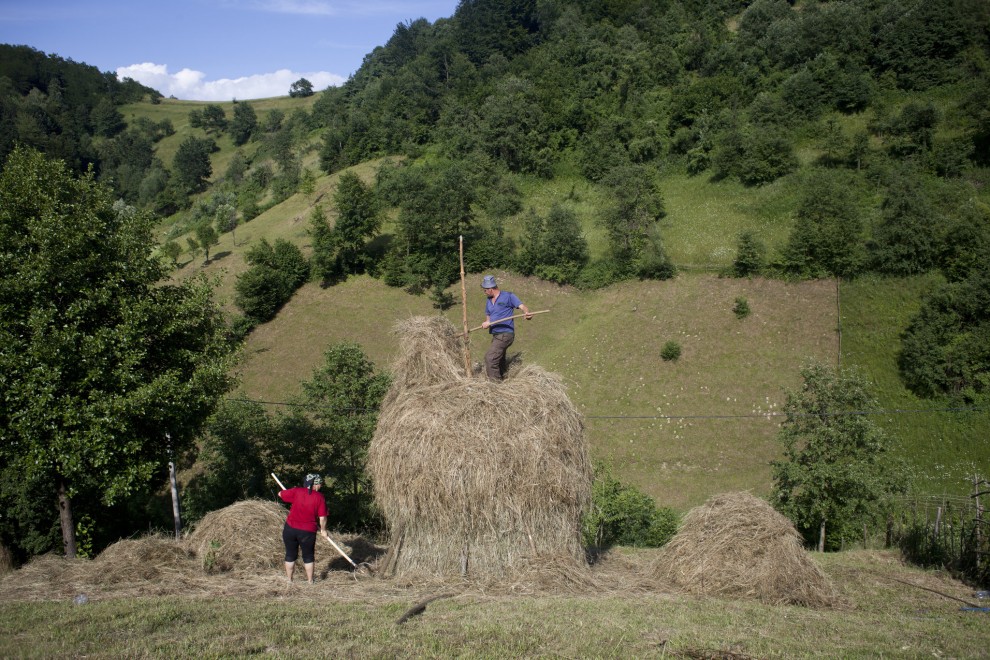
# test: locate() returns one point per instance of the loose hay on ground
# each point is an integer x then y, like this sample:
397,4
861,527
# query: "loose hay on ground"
737,546
244,537
474,477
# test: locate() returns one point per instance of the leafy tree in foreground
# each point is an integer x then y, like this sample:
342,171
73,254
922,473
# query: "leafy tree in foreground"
836,473
99,356
343,396
231,457
624,515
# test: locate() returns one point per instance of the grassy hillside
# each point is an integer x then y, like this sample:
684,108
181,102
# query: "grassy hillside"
177,112
680,430
667,426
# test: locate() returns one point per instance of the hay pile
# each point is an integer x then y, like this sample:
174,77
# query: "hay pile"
736,545
152,558
476,478
245,536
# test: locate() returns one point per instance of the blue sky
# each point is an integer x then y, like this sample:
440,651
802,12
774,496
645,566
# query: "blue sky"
215,50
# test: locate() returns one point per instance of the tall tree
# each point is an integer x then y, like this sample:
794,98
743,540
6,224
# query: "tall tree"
637,204
827,238
100,356
836,473
244,123
945,350
358,219
191,165
301,88
344,396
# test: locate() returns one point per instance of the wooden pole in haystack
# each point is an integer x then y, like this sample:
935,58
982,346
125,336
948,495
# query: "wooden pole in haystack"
467,345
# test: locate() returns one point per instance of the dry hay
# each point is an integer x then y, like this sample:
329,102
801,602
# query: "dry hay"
152,559
474,477
6,560
736,545
245,537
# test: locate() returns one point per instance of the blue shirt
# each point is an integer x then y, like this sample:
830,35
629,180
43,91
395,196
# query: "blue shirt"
502,307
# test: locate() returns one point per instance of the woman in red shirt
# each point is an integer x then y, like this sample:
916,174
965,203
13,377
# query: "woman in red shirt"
308,508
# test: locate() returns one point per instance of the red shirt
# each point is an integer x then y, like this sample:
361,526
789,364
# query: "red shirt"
307,508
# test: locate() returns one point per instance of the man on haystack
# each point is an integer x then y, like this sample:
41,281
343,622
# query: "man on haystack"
498,309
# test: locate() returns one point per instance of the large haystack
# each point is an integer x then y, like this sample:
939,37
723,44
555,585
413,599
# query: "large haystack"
245,536
475,477
737,546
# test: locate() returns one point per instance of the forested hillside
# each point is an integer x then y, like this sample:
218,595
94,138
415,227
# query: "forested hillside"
765,152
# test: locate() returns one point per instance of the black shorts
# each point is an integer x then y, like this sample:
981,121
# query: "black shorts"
296,539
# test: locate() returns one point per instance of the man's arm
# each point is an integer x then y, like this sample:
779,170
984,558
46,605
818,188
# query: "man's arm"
526,311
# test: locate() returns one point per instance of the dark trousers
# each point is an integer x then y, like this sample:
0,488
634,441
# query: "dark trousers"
296,540
495,357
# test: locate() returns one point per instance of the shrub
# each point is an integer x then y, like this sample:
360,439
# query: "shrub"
624,515
741,308
600,274
671,351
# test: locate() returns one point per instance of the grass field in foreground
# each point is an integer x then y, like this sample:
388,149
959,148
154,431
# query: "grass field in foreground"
892,611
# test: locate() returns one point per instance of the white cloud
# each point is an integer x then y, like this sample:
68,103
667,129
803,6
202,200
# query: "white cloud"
192,85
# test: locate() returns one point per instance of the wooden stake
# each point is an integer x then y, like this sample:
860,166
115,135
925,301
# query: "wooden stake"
467,344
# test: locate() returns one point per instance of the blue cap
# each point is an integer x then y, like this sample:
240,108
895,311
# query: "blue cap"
488,282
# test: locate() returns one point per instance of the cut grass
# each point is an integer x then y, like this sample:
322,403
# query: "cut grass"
885,618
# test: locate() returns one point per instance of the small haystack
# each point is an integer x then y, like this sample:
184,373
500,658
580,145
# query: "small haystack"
245,536
474,477
737,546
152,558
